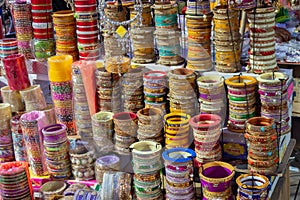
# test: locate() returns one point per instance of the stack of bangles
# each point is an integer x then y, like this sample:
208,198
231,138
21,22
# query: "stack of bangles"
273,92
56,147
199,43
177,130
132,83
108,163
227,40
242,5
125,131
32,124
155,89
142,36
103,128
109,91
182,95
167,34
23,26
15,181
43,30
65,31
116,185
207,132
216,180
111,46
81,194
81,111
8,46
83,166
13,97
150,125
60,76
18,139
117,64
146,162
253,186
179,173
87,29
242,100
262,45
6,141
261,137
212,95
34,98
51,189
198,8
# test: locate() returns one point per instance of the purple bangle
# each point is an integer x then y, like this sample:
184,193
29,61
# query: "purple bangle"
271,94
177,180
107,160
180,191
208,97
55,133
62,97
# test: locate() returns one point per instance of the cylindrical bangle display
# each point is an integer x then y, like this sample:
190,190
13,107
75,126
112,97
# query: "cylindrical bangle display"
12,97
34,98
18,139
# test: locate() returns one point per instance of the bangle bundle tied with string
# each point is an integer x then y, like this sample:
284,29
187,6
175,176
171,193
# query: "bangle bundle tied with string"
87,29
23,26
178,164
182,95
227,40
262,42
198,7
199,43
242,101
167,34
212,95
146,163
108,163
207,132
216,180
142,36
262,142
252,186
273,92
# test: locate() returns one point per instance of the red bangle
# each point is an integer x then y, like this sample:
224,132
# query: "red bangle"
90,58
86,8
84,2
41,7
87,40
87,23
40,14
89,53
205,121
43,30
41,20
43,37
87,28
161,74
88,36
125,116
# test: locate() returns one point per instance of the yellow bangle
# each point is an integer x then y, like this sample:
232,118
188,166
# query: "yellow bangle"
60,68
177,118
216,180
268,77
240,81
246,177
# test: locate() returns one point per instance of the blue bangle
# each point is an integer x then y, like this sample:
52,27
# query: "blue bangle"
166,20
166,156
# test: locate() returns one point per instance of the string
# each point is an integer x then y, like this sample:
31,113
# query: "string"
231,34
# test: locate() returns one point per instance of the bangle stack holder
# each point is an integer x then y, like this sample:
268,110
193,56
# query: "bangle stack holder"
262,45
132,84
262,138
177,130
82,115
216,179
146,162
52,189
242,101
150,125
23,26
109,91
13,97
87,29
6,141
108,163
34,98
212,95
207,132
125,131
155,90
273,91
57,151
18,139
15,180
178,163
182,96
226,39
252,186
167,34
32,124
103,128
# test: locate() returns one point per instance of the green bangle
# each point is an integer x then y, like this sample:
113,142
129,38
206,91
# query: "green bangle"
146,189
233,98
242,116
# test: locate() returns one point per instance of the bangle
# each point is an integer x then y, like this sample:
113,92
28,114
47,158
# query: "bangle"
177,119
244,80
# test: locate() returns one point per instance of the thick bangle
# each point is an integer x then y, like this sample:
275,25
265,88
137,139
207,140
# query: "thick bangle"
240,81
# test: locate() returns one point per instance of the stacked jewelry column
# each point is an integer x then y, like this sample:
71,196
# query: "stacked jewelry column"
167,34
